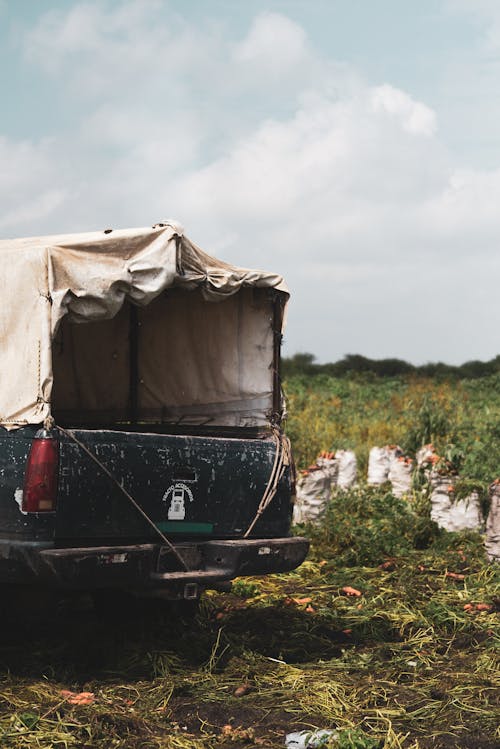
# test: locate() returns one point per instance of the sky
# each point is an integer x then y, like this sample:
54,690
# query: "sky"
351,145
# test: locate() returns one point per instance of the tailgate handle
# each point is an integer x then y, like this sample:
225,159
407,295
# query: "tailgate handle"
184,473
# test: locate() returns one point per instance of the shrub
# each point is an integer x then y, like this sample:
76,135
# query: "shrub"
366,525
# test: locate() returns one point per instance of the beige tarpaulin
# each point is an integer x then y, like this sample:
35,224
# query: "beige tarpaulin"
197,362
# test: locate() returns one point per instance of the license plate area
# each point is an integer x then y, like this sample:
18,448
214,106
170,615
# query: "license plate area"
168,562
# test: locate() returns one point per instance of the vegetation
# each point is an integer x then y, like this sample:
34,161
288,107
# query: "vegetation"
355,364
460,417
387,634
390,644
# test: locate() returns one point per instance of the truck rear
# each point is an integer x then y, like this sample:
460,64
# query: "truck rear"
150,457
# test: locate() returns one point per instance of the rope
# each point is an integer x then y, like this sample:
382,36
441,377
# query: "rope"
146,517
282,459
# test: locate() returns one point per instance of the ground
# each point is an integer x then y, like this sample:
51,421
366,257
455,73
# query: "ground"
399,652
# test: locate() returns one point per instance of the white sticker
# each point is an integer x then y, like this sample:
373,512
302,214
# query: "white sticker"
118,558
18,496
178,494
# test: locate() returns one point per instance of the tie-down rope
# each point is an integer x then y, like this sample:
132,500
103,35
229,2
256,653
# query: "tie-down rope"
282,459
139,509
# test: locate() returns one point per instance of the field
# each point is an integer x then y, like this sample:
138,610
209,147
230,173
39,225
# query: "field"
461,418
388,634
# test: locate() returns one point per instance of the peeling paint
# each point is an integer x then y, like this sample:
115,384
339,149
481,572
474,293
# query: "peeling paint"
228,477
18,497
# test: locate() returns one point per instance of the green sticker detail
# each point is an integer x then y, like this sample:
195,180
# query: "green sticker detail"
179,526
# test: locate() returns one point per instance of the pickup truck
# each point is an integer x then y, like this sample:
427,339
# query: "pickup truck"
141,443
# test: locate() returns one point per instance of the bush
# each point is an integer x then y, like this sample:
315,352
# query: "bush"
363,527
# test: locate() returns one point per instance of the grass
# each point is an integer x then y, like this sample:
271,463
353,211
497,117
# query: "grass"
462,417
402,665
409,663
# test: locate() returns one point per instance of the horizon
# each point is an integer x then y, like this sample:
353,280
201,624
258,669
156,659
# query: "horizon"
315,362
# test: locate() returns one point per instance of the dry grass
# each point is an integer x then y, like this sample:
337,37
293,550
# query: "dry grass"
401,665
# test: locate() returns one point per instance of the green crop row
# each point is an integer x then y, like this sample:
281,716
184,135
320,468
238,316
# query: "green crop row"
459,417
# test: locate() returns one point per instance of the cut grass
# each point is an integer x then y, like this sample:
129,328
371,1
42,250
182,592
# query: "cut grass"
403,665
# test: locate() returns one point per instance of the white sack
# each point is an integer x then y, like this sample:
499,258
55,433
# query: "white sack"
314,490
394,452
322,737
424,454
492,541
451,515
400,475
378,465
347,468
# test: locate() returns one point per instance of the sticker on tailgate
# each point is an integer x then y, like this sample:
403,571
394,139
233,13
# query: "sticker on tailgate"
111,558
178,495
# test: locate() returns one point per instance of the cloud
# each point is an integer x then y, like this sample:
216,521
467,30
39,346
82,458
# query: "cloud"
275,43
29,189
336,169
415,117
35,209
131,49
272,156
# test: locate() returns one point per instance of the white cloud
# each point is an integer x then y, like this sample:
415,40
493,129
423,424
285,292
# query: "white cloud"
274,42
37,208
415,117
338,167
29,189
133,50
270,155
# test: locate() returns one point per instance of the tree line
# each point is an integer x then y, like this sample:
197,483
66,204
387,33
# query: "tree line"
306,364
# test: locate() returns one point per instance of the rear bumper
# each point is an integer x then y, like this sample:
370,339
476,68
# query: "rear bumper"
152,568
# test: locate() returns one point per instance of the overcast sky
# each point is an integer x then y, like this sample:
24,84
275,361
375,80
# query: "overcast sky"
351,145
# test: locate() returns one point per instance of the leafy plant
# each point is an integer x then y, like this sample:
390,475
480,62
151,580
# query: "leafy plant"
355,738
461,418
244,588
365,526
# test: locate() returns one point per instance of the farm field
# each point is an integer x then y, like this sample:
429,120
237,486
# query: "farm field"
461,416
388,634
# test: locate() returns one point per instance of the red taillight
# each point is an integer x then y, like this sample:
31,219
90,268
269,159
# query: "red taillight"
40,481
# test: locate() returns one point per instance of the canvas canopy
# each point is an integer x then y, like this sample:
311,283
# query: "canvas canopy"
153,345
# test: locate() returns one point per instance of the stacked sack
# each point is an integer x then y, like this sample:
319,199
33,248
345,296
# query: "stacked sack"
449,513
390,464
492,541
338,469
426,455
348,468
316,483
400,475
378,465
